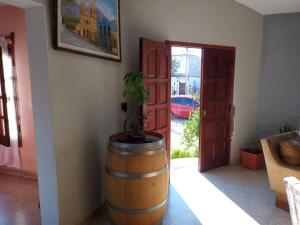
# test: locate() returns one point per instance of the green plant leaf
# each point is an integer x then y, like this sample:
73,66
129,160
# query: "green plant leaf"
190,138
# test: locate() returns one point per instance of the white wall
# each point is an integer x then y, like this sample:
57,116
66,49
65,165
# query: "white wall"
86,98
279,95
86,91
42,113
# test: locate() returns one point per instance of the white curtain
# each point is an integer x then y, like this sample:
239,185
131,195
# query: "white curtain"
10,156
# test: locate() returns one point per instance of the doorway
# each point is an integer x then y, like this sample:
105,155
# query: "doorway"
216,96
35,16
18,170
208,127
185,105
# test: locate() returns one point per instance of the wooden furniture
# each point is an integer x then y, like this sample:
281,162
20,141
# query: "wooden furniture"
276,168
292,185
290,152
137,180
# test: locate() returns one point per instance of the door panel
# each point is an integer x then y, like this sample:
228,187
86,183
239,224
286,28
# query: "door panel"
152,93
156,66
216,101
163,93
151,123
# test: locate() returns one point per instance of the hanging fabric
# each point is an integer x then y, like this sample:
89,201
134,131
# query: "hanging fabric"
9,154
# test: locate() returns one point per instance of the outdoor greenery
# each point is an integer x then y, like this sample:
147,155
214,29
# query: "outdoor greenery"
175,65
190,138
179,153
287,128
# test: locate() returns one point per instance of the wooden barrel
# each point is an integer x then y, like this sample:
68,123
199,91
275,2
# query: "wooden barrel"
137,180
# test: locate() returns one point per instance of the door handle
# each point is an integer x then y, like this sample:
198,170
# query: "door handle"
203,112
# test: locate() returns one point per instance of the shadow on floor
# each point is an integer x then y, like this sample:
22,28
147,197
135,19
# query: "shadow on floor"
178,212
228,195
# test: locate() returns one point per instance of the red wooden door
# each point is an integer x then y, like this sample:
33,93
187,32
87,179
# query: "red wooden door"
216,102
156,66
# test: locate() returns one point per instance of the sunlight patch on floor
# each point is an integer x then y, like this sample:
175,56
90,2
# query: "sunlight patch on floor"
206,201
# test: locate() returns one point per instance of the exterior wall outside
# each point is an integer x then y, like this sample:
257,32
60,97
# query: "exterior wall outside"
279,95
12,19
192,87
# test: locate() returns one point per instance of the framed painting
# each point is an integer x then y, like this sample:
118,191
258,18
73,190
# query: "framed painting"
88,27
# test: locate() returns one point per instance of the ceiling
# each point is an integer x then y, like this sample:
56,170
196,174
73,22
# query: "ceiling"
267,7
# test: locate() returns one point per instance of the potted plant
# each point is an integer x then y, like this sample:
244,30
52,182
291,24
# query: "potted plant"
134,86
287,128
131,157
252,156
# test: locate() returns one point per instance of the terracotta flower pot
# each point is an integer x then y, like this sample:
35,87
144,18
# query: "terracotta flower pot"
250,160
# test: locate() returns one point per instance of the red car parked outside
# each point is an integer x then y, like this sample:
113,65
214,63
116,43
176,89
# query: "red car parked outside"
181,106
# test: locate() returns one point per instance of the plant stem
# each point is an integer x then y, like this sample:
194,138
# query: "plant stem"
126,120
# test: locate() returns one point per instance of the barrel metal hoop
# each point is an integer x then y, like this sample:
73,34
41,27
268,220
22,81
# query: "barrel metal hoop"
136,175
154,144
137,211
136,153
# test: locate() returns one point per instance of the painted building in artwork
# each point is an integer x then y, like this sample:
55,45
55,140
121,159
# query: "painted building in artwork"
87,26
114,43
105,32
114,38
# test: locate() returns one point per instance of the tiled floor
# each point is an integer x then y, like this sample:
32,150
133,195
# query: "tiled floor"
228,196
18,201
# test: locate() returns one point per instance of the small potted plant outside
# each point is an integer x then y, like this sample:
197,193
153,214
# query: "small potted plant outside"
252,156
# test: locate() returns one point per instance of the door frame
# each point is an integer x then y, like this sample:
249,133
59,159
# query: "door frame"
231,87
199,45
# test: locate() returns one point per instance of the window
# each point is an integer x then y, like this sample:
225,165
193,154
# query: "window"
104,30
4,128
10,122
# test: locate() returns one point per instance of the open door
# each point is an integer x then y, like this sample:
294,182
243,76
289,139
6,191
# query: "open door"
216,105
156,65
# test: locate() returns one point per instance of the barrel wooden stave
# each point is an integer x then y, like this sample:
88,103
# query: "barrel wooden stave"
128,164
126,194
152,218
150,191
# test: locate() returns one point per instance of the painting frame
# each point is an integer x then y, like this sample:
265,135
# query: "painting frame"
67,47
